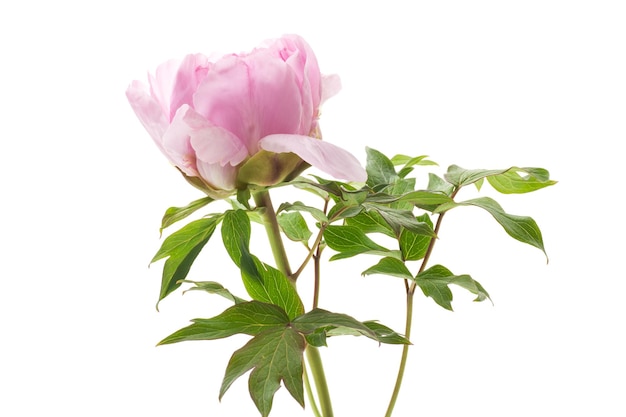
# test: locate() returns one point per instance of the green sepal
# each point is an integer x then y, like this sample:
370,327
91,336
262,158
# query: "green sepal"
181,249
268,168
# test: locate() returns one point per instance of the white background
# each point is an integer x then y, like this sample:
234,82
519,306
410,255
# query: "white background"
483,84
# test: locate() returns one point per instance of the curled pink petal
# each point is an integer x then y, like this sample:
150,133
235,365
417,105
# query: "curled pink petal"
331,85
148,111
325,156
215,145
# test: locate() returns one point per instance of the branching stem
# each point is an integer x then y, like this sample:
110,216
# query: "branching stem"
410,292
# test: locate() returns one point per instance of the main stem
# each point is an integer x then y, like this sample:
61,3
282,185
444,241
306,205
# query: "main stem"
262,199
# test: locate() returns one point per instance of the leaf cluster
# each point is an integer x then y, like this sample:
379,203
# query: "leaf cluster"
350,222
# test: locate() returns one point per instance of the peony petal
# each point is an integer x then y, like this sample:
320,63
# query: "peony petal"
252,96
191,72
149,112
218,176
322,155
162,85
177,144
215,145
331,85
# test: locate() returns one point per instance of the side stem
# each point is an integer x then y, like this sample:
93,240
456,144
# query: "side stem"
410,292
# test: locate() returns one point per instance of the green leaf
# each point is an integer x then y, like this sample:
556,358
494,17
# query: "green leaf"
408,161
385,335
400,188
236,234
521,228
389,266
249,318
370,222
435,280
412,245
268,284
398,219
350,241
461,177
298,206
425,199
511,182
319,318
294,226
438,184
273,356
343,210
379,169
174,214
181,248
214,288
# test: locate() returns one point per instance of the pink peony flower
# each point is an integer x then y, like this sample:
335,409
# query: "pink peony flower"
243,119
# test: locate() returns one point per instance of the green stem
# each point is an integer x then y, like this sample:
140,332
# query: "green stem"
410,292
309,394
317,370
262,200
405,354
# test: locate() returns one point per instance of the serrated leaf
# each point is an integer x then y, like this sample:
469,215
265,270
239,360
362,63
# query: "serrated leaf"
350,240
435,280
181,249
267,284
273,356
249,318
175,214
236,234
521,228
294,226
511,182
389,266
379,169
461,177
214,288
